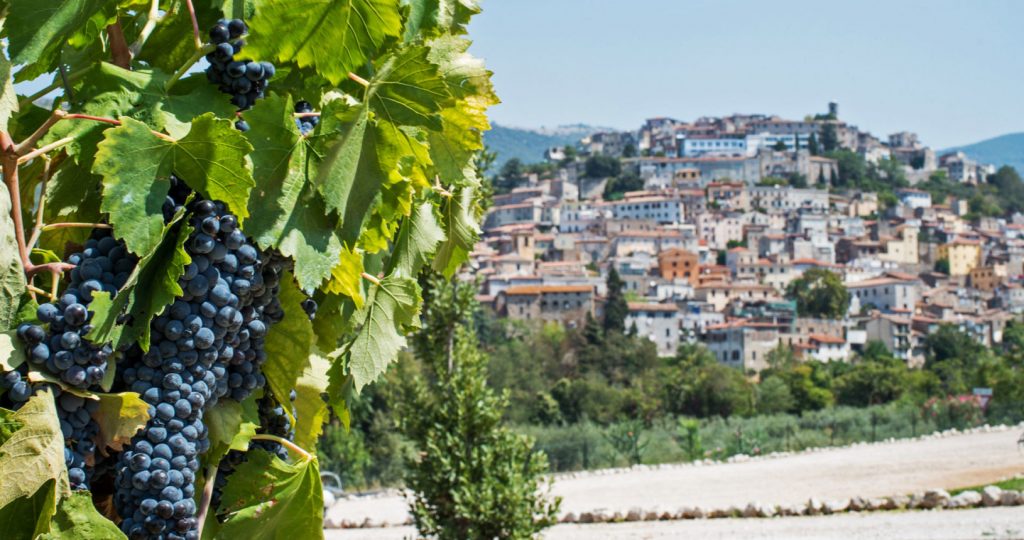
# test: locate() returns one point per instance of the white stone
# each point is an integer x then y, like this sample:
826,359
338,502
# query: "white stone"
966,499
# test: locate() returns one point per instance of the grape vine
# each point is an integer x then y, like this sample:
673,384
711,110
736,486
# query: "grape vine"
209,241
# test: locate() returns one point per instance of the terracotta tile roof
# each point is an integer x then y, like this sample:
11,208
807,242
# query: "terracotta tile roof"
645,306
530,290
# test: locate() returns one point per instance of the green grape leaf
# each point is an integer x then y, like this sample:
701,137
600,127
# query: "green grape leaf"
190,98
136,166
288,212
391,307
37,30
171,43
8,96
429,17
72,195
417,241
453,149
310,409
349,174
288,343
134,187
231,425
29,517
78,518
366,157
33,455
211,160
333,37
267,498
407,89
462,231
465,74
152,286
119,417
346,277
334,318
12,275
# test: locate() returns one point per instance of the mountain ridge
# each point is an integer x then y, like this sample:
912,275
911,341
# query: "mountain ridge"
1006,149
528,144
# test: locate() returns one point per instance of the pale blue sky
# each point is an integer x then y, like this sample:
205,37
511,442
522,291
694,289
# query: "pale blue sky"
953,71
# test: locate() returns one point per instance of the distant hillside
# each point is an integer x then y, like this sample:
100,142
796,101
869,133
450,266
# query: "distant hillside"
529,144
1003,150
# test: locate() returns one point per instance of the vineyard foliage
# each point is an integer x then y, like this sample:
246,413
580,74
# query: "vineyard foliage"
357,197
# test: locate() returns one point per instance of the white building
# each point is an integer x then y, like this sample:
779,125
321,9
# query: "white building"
825,348
659,323
779,199
915,198
660,209
887,293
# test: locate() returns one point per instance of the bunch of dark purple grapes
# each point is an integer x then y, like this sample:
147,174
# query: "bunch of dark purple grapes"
305,123
244,80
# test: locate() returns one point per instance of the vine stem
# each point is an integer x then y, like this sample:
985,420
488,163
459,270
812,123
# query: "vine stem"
151,19
9,163
44,149
120,54
54,226
195,24
112,122
365,83
204,503
306,114
24,146
283,442
38,230
199,53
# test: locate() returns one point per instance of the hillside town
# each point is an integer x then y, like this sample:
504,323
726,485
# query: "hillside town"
723,215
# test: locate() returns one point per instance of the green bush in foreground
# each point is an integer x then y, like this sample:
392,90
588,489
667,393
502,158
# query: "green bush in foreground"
474,478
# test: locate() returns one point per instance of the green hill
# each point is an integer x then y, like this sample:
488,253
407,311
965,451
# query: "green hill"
1003,150
529,144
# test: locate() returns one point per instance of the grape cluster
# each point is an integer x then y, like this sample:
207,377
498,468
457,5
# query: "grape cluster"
63,349
16,386
78,428
245,80
208,344
305,123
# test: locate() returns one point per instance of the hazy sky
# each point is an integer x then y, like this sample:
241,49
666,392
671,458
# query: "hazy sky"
951,70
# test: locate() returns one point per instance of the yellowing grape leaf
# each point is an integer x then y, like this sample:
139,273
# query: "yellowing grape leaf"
34,454
119,417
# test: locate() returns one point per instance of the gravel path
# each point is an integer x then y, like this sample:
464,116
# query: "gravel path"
977,524
875,470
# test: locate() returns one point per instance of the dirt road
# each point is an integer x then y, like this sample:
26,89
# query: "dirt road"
876,470
979,524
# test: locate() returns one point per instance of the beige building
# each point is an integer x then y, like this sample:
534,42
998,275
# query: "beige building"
742,344
963,255
567,304
902,250
720,295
